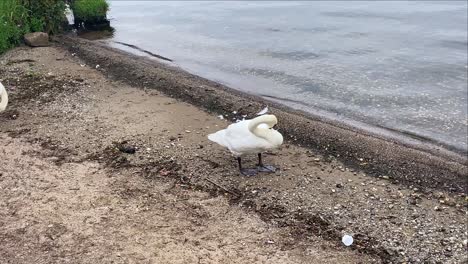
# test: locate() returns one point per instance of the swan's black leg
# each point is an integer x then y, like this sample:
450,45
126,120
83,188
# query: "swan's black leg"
246,172
264,168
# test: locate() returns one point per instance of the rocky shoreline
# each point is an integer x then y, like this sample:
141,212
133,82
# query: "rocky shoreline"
73,195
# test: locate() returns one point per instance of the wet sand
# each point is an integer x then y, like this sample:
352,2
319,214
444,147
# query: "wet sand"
70,195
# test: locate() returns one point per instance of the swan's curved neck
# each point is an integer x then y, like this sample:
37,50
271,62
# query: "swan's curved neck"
4,98
269,120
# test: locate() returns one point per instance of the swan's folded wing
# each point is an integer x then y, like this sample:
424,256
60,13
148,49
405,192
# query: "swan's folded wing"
240,140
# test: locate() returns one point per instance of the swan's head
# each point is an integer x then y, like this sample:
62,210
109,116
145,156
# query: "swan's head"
269,120
262,126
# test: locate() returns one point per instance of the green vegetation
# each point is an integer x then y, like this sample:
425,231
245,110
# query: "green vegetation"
18,17
90,11
45,15
11,29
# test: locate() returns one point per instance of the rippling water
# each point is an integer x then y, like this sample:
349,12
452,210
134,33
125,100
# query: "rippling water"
388,64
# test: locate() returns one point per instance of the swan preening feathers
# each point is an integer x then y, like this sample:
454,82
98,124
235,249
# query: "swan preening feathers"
3,98
252,136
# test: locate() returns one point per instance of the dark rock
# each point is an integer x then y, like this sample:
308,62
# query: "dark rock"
37,39
125,148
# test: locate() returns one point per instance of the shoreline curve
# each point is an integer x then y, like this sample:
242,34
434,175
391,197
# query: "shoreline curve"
424,165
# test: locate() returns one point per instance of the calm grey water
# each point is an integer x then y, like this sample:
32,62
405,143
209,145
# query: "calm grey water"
396,65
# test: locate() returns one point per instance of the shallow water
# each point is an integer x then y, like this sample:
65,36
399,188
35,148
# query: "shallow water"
391,64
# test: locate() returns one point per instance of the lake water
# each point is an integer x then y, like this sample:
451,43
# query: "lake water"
400,66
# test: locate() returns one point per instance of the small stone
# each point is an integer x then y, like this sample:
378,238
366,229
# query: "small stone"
449,202
385,177
339,185
437,208
333,190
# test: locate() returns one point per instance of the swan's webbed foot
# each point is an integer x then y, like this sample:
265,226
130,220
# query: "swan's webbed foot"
248,172
266,168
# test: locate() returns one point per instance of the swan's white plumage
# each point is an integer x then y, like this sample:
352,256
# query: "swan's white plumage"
249,136
3,98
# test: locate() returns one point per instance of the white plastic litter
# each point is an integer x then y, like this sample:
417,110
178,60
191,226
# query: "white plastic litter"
347,240
264,111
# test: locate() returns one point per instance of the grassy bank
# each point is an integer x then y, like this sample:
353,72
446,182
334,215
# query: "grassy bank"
18,17
11,28
90,11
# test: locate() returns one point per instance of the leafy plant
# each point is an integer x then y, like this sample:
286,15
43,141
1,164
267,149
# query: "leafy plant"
18,17
12,27
45,15
90,10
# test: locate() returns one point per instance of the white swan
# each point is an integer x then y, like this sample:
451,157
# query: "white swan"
250,136
3,98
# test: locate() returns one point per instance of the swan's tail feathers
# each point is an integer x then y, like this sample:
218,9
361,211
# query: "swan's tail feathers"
218,137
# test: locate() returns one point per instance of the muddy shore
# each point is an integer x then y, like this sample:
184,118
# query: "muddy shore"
71,194
420,166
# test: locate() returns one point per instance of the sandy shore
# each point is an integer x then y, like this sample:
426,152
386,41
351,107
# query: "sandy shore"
70,195
416,165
